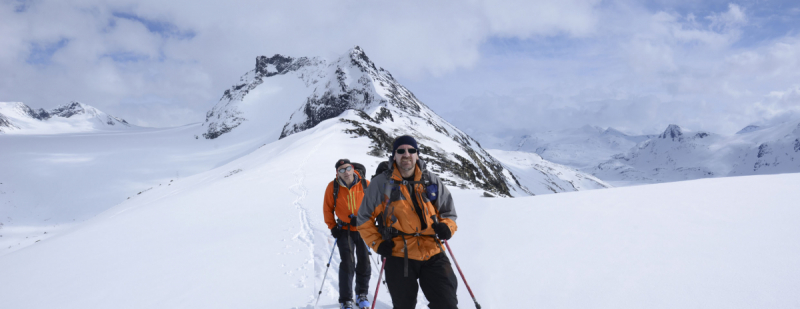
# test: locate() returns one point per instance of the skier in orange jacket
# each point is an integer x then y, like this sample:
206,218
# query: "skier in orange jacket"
348,189
405,213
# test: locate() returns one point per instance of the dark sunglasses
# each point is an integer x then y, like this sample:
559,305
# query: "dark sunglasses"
403,151
345,169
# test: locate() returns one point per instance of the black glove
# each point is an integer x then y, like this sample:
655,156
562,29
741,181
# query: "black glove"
336,231
442,230
385,248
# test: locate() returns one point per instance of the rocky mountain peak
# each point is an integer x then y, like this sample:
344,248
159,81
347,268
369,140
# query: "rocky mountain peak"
673,131
351,82
368,101
749,129
68,110
278,64
359,59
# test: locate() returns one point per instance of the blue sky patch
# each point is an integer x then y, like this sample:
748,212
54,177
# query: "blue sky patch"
162,28
42,53
125,57
21,6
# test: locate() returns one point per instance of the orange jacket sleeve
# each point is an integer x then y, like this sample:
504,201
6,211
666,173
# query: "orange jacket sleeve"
327,207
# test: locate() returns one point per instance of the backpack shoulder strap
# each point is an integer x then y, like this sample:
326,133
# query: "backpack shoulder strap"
335,193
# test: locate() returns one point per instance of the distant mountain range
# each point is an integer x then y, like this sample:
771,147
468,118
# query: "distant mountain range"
18,118
582,148
681,154
675,154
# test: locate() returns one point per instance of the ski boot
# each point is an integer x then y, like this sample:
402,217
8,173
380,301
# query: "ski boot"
348,305
363,301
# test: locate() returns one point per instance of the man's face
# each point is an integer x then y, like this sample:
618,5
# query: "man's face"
405,161
346,175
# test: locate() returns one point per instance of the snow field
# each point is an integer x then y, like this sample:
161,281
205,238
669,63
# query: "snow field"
721,243
250,234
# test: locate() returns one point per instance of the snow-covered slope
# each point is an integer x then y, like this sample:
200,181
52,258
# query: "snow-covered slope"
768,150
676,154
18,118
544,176
282,96
250,234
49,181
680,154
581,148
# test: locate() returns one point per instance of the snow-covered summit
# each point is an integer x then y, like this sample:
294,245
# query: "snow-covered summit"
19,118
284,95
349,82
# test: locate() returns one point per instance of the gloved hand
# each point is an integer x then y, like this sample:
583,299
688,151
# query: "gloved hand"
385,248
442,230
336,231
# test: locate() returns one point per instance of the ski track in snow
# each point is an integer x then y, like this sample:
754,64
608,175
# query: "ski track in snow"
306,233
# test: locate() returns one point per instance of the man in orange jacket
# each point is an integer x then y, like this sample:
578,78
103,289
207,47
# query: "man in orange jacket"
348,187
413,210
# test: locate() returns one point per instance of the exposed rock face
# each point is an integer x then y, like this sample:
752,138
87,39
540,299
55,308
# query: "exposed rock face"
479,170
354,84
69,110
41,114
672,132
225,116
6,124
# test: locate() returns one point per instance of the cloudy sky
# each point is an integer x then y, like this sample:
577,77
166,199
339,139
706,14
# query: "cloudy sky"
496,67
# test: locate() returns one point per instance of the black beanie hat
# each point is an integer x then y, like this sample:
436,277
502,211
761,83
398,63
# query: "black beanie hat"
404,140
341,162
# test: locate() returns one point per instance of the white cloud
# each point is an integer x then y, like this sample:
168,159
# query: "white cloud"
528,18
186,52
581,62
640,72
734,17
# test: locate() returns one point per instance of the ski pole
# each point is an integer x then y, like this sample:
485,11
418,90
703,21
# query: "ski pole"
326,273
462,274
477,305
369,251
380,275
375,260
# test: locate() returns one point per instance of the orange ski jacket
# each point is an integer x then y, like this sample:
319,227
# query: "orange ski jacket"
421,243
347,202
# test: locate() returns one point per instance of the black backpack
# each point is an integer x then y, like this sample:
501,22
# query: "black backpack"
383,167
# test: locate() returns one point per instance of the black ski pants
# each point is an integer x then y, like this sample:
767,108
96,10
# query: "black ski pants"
436,278
355,261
